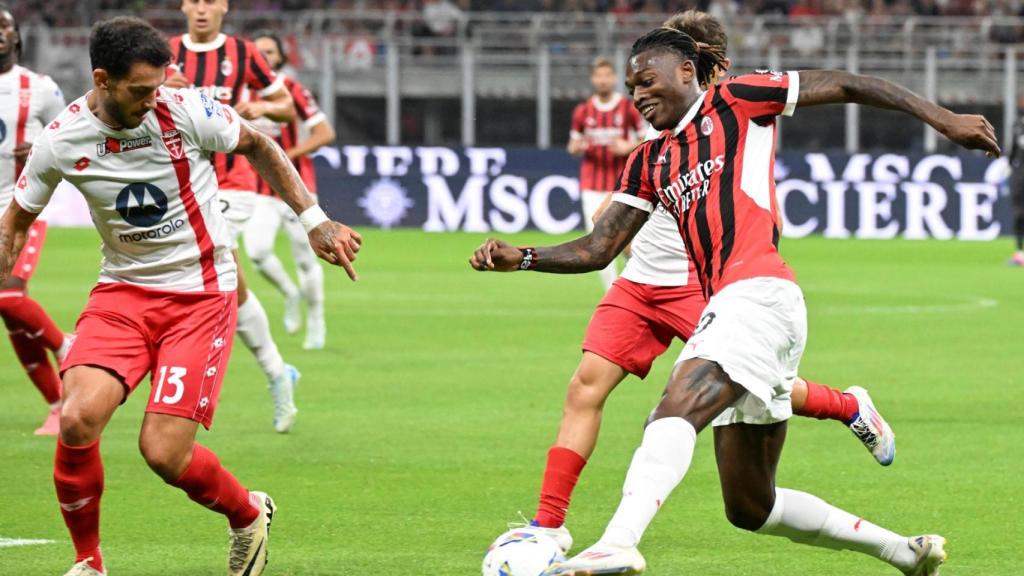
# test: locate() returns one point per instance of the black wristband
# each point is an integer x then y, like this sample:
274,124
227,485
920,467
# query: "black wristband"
529,259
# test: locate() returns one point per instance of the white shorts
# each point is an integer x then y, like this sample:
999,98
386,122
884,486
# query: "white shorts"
237,207
756,331
591,201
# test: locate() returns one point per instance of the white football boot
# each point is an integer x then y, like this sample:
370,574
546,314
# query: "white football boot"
247,555
282,390
930,552
871,429
601,559
83,569
292,313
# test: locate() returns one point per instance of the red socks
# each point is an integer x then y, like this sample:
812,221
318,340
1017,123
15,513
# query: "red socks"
826,403
25,313
560,477
33,357
78,476
210,484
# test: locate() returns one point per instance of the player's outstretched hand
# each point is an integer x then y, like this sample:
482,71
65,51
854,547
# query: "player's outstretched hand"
338,244
496,255
973,132
250,110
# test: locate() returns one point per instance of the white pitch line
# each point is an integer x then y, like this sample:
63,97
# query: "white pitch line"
12,542
975,304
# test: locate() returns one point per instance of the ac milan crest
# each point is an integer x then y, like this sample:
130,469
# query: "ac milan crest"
707,126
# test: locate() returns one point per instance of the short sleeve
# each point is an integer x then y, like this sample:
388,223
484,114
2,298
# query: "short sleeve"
305,105
578,122
259,77
764,95
40,177
53,100
216,126
635,187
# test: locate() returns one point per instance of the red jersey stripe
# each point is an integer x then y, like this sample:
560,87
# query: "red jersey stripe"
24,101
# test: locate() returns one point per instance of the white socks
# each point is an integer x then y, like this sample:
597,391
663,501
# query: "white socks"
271,268
807,519
659,464
254,330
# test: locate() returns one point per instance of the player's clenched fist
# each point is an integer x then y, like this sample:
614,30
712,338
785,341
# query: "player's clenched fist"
496,255
338,244
972,132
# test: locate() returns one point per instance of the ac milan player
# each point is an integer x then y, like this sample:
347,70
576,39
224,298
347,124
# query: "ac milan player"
657,298
604,131
165,304
231,70
28,101
712,170
299,138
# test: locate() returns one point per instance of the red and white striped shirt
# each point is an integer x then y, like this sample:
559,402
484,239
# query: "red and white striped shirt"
715,173
307,115
151,190
601,124
231,70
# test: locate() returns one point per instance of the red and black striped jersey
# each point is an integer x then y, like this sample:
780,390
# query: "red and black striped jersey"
715,172
230,70
307,115
601,124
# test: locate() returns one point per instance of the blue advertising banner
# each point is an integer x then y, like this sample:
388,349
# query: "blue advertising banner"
507,190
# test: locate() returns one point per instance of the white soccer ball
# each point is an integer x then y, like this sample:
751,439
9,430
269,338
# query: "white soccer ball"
522,552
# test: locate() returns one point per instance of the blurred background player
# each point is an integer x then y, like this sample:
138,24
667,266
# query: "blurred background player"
230,70
28,101
308,131
605,129
1016,183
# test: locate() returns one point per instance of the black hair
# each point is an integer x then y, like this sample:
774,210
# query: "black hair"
704,56
116,44
265,33
17,30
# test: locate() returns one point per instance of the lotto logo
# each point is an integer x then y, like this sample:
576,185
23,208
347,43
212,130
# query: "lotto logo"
23,182
218,343
204,402
74,108
82,163
211,371
54,125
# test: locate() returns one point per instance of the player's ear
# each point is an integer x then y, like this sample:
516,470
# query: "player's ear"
686,71
101,79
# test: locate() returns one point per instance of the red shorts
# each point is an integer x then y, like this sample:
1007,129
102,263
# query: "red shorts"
28,260
635,323
182,338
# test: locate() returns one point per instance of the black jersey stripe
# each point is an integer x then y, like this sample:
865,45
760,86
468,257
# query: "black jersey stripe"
179,57
701,212
635,171
758,93
684,217
199,77
730,132
241,55
221,55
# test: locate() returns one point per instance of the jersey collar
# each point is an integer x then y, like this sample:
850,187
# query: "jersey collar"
217,42
690,114
609,105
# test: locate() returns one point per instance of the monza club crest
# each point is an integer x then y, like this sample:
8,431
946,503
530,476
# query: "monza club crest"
172,140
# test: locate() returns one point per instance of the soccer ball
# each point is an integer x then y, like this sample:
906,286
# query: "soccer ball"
521,552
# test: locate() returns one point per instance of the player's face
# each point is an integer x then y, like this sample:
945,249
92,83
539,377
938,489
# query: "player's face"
603,80
271,54
662,85
204,16
127,100
8,37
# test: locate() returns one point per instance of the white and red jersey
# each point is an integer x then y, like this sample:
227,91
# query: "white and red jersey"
601,124
715,174
288,136
151,190
28,101
230,70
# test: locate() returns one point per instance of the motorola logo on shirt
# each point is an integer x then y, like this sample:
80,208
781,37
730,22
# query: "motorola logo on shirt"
144,205
3,131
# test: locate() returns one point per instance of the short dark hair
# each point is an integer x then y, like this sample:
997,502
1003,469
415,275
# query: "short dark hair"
701,26
704,56
17,31
116,44
266,33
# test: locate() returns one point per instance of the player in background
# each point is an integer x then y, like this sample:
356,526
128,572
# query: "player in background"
165,304
737,370
1016,165
28,101
299,138
231,70
657,298
605,129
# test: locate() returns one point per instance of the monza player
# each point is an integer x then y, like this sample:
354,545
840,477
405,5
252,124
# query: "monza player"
308,131
165,303
658,297
712,169
231,70
28,101
1016,182
605,129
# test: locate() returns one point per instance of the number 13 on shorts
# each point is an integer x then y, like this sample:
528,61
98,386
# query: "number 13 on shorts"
171,376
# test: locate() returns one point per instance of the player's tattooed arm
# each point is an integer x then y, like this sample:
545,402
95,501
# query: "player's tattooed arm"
332,241
971,131
14,225
612,233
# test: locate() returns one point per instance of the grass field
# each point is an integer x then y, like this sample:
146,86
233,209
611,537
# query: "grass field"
424,424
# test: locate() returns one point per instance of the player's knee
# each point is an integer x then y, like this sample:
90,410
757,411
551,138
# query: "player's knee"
747,515
166,460
586,392
79,425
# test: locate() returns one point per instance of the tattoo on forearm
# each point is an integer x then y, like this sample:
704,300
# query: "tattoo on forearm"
612,232
832,86
273,165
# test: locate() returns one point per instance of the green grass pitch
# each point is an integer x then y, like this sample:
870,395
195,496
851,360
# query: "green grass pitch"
423,426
